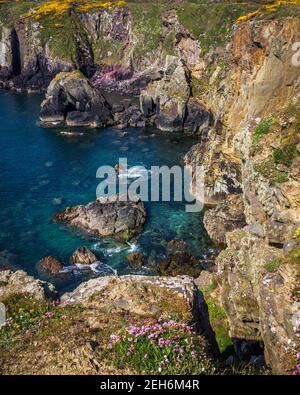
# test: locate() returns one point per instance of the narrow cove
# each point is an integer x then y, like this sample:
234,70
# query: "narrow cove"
44,170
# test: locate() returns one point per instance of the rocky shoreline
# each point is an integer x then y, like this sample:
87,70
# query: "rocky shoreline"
241,98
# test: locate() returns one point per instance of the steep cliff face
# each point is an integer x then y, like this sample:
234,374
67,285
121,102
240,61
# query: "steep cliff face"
251,157
122,43
235,85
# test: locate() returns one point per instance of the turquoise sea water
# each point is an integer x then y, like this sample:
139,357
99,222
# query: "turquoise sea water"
43,171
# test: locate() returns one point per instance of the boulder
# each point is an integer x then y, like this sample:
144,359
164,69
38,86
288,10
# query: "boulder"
178,261
136,259
50,265
106,217
19,282
71,97
131,116
83,256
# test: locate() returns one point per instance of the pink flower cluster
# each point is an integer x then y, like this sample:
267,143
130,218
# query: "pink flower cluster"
155,330
160,335
297,371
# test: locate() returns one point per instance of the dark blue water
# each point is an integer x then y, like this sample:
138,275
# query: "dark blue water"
43,171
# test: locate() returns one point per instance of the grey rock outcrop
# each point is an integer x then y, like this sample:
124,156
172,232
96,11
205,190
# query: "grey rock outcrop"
106,217
12,283
225,217
71,98
83,256
169,101
259,287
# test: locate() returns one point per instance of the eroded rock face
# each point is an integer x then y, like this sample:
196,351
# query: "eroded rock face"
83,256
257,166
169,101
70,97
258,291
227,216
106,217
19,282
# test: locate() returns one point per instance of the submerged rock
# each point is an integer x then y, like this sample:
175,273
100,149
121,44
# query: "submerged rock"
178,261
83,256
7,261
106,217
50,265
136,259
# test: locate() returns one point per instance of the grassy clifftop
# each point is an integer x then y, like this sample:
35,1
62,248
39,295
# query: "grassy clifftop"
210,23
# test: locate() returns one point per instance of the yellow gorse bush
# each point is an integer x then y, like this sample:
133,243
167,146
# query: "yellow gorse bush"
297,234
60,8
266,9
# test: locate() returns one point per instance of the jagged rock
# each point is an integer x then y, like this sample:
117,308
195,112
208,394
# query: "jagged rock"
83,256
106,217
279,232
50,265
169,101
259,294
19,282
227,216
70,96
170,96
205,279
136,259
178,261
130,116
198,119
222,173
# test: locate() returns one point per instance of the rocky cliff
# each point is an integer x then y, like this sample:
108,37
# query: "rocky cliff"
251,161
233,82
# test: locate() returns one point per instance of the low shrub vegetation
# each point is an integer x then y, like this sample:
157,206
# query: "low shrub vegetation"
161,348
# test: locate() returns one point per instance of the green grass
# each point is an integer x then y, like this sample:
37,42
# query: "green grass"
272,266
11,12
284,155
218,320
281,177
25,316
147,24
161,348
263,128
211,24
